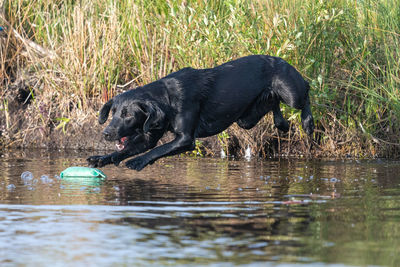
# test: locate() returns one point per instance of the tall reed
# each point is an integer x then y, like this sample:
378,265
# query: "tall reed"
347,49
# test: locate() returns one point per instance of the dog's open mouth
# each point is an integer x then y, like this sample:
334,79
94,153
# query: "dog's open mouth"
121,143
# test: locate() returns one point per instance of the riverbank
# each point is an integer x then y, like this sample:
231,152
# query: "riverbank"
60,61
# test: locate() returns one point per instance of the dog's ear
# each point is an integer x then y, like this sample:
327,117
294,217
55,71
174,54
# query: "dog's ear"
155,117
105,110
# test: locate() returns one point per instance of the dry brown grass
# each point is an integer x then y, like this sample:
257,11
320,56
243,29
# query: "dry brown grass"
60,60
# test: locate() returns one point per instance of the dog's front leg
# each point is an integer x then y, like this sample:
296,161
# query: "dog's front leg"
136,145
100,161
116,157
180,144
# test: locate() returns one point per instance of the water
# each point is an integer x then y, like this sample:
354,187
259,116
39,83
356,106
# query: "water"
183,211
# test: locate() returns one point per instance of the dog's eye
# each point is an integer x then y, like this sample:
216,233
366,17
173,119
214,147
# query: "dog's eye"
129,121
113,110
124,112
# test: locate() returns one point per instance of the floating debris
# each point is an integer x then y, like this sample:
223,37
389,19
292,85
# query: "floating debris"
116,188
45,179
223,154
247,153
11,187
27,177
96,189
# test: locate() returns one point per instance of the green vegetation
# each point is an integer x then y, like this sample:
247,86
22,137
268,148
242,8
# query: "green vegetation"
70,55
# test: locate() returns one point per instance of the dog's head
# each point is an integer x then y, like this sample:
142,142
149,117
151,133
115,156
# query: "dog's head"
130,118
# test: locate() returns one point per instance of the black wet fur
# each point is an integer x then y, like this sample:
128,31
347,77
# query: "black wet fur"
194,103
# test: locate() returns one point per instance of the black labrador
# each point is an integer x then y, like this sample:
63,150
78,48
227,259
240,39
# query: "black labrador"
194,103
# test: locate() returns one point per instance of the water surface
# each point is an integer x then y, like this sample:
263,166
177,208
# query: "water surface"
200,211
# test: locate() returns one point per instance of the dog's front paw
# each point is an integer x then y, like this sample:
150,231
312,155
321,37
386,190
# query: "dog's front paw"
98,161
137,163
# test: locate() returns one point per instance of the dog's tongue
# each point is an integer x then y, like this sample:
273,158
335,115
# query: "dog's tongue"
121,143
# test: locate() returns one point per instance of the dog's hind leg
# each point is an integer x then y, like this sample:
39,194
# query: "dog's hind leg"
265,103
307,119
252,116
279,120
293,90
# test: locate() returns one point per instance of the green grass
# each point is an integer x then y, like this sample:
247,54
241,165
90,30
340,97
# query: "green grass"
348,50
